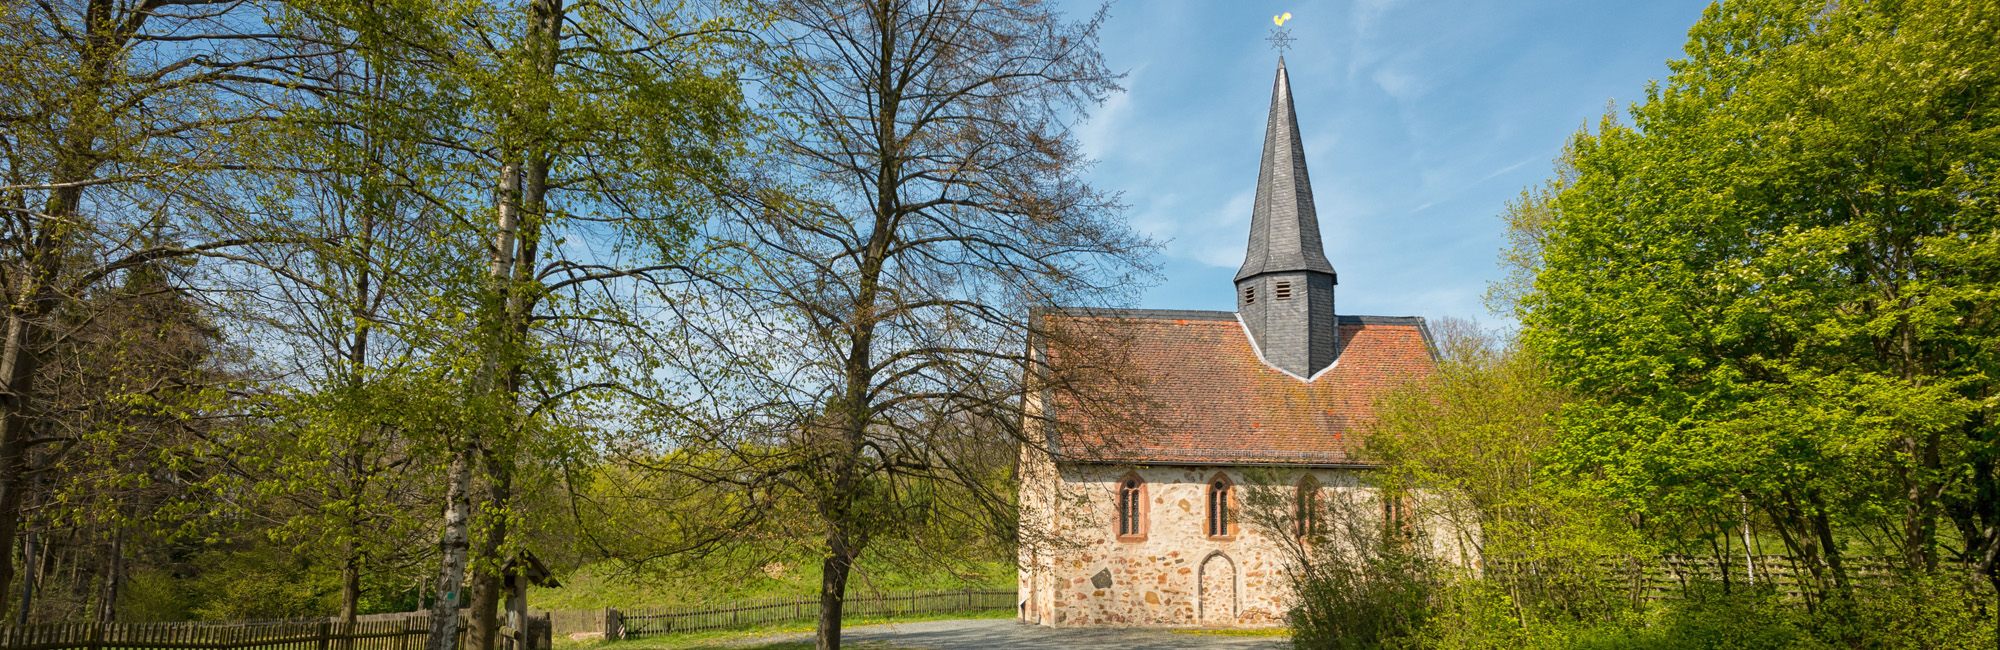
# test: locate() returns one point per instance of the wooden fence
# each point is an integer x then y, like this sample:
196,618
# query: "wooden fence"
1668,577
637,622
402,632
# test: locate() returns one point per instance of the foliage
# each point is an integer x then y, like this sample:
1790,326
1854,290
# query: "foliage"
1379,600
1471,438
1360,580
1771,294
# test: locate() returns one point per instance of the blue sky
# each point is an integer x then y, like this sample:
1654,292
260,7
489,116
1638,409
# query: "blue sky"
1421,120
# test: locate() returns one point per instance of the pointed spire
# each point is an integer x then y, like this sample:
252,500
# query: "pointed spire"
1284,293
1284,227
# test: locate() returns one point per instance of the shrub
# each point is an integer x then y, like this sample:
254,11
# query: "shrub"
1362,599
1916,612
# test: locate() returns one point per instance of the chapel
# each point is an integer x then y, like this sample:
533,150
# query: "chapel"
1149,530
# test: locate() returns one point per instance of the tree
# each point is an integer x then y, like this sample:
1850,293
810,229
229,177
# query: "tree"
355,404
563,154
872,313
124,468
1775,286
1472,441
111,156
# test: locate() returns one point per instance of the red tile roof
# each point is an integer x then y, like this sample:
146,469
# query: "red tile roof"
1208,399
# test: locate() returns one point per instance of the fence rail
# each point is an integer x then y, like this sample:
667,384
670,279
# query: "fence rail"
1667,577
404,632
644,621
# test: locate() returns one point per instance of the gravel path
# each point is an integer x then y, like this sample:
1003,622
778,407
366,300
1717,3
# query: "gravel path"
1008,634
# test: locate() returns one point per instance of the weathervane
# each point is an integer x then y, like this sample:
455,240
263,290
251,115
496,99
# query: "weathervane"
1281,38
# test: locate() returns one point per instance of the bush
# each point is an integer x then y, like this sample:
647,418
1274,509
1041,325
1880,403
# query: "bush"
1360,600
1919,612
1476,615
1923,612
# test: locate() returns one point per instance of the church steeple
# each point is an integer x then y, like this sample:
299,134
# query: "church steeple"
1284,292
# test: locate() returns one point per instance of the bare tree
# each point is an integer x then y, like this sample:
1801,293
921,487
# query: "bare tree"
869,328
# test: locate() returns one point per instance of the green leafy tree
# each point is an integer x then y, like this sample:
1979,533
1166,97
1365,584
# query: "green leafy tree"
1774,287
112,156
562,156
1471,440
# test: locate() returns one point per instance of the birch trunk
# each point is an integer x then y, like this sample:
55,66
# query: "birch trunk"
452,546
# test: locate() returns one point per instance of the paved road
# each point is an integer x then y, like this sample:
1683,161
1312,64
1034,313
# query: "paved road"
1006,634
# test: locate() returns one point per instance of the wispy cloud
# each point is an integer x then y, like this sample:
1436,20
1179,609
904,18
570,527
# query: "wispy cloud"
1213,238
1099,135
1504,170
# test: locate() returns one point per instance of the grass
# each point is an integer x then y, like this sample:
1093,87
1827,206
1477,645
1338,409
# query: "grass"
1258,631
747,639
610,585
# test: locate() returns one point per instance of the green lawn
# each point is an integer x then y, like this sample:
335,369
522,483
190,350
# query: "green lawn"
746,639
608,584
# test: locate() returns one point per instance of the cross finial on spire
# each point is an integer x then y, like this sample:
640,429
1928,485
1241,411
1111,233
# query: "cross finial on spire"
1281,38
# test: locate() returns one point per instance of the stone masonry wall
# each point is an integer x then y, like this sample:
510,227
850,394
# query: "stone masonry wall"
1082,574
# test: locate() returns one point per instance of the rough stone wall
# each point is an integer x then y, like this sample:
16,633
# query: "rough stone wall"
1038,541
1176,575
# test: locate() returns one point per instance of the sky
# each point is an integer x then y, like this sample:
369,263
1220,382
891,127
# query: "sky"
1421,120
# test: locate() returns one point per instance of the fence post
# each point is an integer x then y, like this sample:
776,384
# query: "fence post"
325,633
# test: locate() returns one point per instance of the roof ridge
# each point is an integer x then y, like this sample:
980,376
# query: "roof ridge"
1203,314
1161,314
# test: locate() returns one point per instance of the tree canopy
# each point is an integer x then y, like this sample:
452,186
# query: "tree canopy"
1772,291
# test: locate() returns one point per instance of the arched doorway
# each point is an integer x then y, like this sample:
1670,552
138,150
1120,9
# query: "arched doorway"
1218,590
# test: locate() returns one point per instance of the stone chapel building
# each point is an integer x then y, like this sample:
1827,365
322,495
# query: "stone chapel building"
1277,391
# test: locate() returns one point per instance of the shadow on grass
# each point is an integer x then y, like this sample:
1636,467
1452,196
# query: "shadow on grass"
799,645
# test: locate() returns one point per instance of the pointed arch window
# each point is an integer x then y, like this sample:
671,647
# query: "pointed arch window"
1219,524
1132,508
1306,510
1397,522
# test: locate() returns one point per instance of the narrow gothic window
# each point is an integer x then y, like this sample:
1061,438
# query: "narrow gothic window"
1284,291
1308,507
1395,517
1218,508
1249,295
1128,507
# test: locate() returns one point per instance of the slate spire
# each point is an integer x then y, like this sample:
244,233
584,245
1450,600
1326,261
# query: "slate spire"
1284,292
1284,226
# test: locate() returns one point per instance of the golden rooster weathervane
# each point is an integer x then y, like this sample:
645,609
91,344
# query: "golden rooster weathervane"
1281,38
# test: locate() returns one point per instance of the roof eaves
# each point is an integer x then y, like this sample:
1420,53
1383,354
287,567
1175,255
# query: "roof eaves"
1222,463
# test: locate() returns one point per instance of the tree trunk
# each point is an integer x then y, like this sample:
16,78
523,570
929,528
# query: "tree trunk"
114,578
30,558
452,546
48,246
1822,526
833,591
18,365
523,185
350,582
487,582
1921,511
